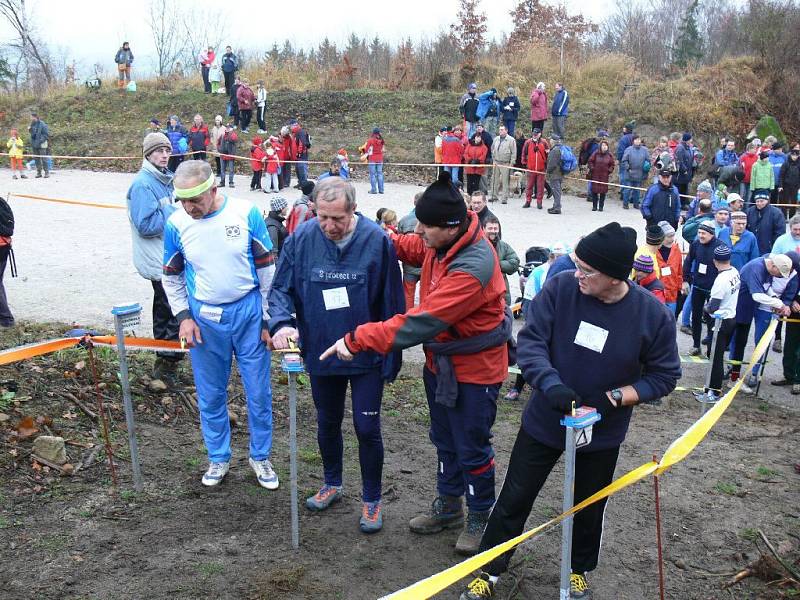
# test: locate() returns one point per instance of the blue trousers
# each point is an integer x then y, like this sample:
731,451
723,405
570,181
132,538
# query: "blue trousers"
511,126
376,177
238,333
453,173
630,196
366,391
462,436
302,172
686,313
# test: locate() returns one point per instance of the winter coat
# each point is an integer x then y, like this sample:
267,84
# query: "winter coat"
230,63
373,148
671,272
560,103
217,132
601,165
276,230
762,177
684,160
510,107
746,162
776,160
632,163
692,224
301,142
175,134
744,250
509,264
655,286
228,147
789,176
40,133
207,57
554,172
199,138
488,103
245,97
124,57
661,204
724,157
14,146
534,155
538,105
487,141
257,156
623,143
468,107
504,151
768,224
452,150
273,161
475,154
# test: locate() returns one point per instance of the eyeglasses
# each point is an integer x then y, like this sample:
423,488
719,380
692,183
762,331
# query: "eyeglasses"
585,273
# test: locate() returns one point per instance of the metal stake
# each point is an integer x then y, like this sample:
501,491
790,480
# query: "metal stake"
658,535
581,420
128,315
292,364
763,363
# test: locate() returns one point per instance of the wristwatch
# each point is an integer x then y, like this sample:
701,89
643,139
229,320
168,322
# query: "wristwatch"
616,396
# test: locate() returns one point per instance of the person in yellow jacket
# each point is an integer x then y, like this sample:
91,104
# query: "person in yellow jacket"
14,145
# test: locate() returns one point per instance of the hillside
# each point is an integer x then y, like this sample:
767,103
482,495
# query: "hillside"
723,99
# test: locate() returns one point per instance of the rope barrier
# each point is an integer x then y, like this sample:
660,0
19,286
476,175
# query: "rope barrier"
64,201
675,453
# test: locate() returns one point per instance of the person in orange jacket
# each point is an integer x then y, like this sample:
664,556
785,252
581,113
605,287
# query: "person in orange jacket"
257,159
475,154
534,157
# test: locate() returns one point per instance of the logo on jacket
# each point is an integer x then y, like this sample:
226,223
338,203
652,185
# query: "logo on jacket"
232,231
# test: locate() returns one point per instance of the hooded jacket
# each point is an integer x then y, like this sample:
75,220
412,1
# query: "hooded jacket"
762,177
175,134
789,176
199,138
767,224
746,162
560,103
632,163
661,204
475,152
373,148
461,295
245,97
538,105
452,149
534,154
366,270
601,165
488,103
468,107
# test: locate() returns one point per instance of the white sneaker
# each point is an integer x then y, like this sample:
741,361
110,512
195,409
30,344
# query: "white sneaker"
261,131
216,473
746,389
266,475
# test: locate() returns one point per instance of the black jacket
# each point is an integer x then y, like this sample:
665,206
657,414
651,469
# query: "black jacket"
789,176
277,231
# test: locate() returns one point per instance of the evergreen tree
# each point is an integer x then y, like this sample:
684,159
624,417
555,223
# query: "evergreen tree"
688,48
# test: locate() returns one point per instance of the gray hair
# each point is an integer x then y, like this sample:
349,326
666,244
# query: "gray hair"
332,189
795,220
192,172
540,85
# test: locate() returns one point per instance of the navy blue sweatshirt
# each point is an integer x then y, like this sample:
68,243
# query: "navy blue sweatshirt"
640,350
699,259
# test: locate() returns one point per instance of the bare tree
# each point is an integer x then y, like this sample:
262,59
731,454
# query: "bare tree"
168,36
27,44
201,29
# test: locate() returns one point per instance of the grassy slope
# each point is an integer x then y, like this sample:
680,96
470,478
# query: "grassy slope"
714,100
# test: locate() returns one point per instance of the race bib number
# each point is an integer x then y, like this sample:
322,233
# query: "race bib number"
211,313
591,337
666,271
336,298
702,268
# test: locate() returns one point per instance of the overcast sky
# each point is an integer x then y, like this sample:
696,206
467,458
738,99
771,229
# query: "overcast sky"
91,31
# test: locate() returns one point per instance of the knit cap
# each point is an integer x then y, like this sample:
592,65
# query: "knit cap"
705,186
441,205
666,228
154,141
722,253
654,235
609,249
643,263
738,214
307,188
761,194
278,203
686,136
707,227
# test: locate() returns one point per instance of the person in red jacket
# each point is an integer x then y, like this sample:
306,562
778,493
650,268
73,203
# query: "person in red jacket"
199,138
475,154
453,152
534,157
746,162
257,159
246,100
464,325
646,276
285,153
373,148
272,167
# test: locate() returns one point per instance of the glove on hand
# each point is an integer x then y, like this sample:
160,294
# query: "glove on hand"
561,398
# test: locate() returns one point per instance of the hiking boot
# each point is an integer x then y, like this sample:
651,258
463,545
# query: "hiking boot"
221,184
267,478
782,382
512,395
23,176
776,346
46,174
554,211
526,205
38,175
695,352
686,329
579,587
166,370
479,588
371,517
327,495
216,473
625,206
446,512
470,538
795,389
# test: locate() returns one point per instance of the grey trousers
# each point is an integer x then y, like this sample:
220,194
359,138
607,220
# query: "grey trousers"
501,177
558,126
555,186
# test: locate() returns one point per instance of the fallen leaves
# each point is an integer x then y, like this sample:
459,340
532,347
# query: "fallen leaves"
26,428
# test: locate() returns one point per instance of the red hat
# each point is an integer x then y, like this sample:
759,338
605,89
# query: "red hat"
257,141
295,128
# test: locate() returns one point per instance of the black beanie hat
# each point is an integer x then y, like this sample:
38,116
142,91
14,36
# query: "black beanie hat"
610,250
441,204
654,235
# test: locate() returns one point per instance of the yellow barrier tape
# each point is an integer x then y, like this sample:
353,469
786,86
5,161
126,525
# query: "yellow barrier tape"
676,452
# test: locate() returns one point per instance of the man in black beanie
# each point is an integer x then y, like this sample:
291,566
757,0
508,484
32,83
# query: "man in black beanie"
464,326
597,340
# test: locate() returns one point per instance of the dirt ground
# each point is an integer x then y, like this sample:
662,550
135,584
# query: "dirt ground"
71,537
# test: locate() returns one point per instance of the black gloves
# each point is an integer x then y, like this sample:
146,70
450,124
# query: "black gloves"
560,398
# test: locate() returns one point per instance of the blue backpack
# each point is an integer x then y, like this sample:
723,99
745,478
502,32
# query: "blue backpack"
568,161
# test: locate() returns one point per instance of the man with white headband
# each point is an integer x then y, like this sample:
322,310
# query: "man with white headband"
218,270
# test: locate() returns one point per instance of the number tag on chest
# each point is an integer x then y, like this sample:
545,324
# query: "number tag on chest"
702,268
336,298
591,337
666,271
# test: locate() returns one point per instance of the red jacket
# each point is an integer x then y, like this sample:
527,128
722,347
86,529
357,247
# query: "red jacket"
671,272
746,162
601,164
461,293
534,156
282,148
257,155
538,105
452,150
374,143
652,284
245,97
475,152
273,162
